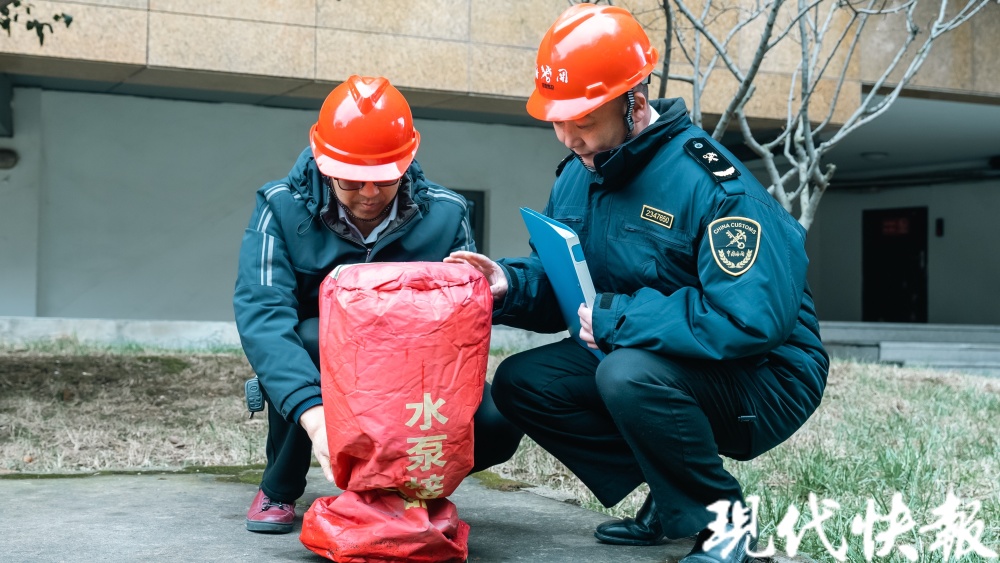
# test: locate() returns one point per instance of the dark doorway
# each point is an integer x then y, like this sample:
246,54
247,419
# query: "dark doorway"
894,265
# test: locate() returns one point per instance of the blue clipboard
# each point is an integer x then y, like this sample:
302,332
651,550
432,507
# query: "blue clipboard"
559,249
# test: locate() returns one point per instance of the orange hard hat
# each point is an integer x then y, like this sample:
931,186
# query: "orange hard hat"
365,132
591,55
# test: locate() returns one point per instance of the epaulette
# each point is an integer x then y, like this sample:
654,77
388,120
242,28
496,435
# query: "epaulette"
705,154
562,164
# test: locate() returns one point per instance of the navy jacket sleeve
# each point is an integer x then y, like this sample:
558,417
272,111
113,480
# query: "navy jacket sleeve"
744,305
266,308
530,303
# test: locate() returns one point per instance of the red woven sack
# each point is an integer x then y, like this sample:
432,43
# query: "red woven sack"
403,353
377,526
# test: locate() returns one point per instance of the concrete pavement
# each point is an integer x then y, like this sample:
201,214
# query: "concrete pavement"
199,517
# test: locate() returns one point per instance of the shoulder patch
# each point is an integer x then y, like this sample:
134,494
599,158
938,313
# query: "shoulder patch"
735,243
705,154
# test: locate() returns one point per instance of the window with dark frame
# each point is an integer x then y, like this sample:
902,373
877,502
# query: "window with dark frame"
477,216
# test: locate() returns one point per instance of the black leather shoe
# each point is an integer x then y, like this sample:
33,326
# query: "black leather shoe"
715,555
644,529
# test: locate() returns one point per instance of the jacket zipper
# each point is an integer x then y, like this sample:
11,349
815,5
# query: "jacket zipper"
370,249
382,242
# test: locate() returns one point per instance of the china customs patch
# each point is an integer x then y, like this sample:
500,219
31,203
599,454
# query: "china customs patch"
735,243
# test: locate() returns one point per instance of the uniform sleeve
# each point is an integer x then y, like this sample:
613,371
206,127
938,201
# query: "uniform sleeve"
266,310
530,303
751,267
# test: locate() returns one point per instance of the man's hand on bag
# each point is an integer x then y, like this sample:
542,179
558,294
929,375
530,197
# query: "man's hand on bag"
314,423
489,268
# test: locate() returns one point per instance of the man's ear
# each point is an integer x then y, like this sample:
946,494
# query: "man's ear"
640,111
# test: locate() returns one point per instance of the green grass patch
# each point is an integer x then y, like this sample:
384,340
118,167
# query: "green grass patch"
73,346
493,481
880,430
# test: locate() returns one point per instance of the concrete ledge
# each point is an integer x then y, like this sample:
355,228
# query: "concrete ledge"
872,334
855,352
940,353
967,348
185,335
972,347
108,332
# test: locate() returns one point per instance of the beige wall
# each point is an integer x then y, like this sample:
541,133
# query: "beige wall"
962,62
468,55
464,55
454,54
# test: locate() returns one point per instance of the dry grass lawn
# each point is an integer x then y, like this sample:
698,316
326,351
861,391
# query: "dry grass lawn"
880,430
70,413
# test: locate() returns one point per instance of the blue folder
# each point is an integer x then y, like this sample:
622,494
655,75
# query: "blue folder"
559,249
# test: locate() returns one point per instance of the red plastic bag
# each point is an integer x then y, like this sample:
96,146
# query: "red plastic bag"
375,526
403,354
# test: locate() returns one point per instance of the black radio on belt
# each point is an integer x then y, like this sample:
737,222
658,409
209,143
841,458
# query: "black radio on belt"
255,398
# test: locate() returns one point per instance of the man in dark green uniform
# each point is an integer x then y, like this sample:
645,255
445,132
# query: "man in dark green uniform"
702,305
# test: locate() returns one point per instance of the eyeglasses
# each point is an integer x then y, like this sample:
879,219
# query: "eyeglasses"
355,185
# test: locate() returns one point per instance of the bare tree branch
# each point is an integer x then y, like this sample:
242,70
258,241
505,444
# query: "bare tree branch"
860,20
745,91
829,39
703,31
667,42
779,37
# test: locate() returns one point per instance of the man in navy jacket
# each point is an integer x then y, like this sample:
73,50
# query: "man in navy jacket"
355,195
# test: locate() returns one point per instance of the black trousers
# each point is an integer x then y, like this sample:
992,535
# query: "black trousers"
289,450
640,417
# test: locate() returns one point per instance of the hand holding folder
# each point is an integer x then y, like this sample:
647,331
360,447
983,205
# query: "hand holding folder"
559,249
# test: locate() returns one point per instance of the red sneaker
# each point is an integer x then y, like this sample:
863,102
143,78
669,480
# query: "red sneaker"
266,515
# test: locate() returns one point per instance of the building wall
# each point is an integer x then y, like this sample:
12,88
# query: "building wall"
962,61
962,266
136,206
126,207
133,208
19,207
457,55
445,49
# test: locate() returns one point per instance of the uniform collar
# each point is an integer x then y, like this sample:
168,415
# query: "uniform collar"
373,236
617,165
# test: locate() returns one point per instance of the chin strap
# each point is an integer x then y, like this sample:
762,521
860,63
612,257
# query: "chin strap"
629,123
585,165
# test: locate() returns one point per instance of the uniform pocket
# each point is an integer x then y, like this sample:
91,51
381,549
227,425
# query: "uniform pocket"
651,257
639,235
571,218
